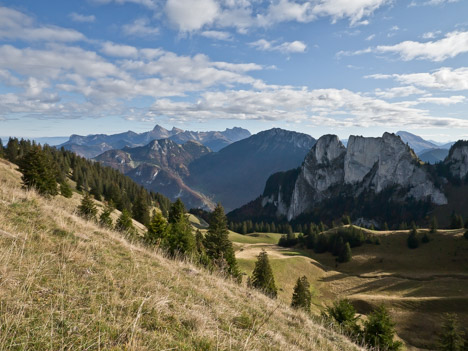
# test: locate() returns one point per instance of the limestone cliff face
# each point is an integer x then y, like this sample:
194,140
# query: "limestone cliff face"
457,160
367,164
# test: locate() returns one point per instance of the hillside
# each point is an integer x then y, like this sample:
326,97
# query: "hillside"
418,286
69,284
237,173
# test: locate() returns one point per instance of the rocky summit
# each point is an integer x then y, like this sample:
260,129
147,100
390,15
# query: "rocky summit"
367,164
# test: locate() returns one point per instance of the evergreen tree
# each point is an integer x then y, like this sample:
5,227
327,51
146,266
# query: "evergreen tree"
87,208
262,276
302,297
386,227
451,338
344,314
12,150
105,218
379,330
412,240
203,258
218,246
433,225
176,211
65,190
346,220
466,235
2,152
345,254
456,221
124,222
38,172
180,239
156,229
140,209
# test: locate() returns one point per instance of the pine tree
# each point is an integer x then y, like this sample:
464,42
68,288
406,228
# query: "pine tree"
345,254
65,190
2,152
451,338
87,208
180,239
343,313
176,211
124,222
412,240
386,227
156,229
433,225
456,221
140,209
302,297
379,330
218,246
105,218
38,172
262,276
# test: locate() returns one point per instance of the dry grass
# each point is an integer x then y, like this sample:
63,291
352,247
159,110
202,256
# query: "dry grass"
67,284
418,286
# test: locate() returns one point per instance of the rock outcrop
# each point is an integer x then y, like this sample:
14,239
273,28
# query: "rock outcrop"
457,160
367,164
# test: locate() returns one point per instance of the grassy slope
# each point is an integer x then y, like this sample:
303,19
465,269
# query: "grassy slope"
417,285
68,284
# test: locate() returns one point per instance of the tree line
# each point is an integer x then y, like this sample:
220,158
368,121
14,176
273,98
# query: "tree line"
49,170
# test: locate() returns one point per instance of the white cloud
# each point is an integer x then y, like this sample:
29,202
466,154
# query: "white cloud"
431,35
116,50
330,107
398,92
189,15
453,44
370,37
76,17
140,27
445,101
16,25
218,35
445,78
307,11
286,47
151,4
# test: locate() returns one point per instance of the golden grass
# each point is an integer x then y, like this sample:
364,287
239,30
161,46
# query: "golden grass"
68,284
418,286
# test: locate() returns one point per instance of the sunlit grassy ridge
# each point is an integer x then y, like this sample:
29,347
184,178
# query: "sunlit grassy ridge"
67,284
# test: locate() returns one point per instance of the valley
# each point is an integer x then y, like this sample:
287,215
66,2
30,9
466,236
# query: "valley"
418,286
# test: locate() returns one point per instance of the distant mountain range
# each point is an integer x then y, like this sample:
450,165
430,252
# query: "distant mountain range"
93,145
428,151
233,176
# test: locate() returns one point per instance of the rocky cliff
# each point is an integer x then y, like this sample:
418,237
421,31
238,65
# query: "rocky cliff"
366,165
457,160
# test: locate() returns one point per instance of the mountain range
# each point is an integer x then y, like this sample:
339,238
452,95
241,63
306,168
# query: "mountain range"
95,144
380,178
233,176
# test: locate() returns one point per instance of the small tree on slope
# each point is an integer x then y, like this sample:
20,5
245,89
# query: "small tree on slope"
379,331
217,244
38,172
302,296
87,208
451,338
262,276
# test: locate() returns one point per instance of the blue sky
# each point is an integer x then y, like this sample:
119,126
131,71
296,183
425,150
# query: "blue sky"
316,66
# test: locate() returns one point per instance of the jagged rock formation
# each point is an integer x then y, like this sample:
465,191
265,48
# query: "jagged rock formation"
93,145
367,165
457,160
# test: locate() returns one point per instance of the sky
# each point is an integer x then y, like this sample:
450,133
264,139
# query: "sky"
342,67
